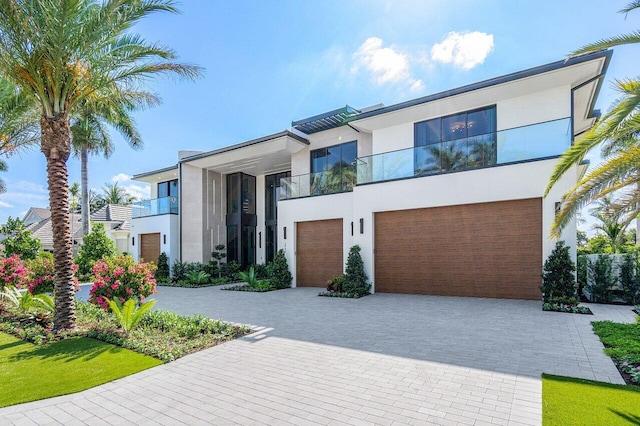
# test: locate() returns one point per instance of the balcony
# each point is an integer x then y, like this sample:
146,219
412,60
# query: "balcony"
154,207
341,178
527,143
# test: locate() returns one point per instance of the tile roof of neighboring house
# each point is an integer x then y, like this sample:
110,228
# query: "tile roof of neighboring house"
112,213
43,213
43,231
124,226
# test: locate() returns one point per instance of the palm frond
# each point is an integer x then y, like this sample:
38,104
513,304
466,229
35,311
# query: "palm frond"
629,7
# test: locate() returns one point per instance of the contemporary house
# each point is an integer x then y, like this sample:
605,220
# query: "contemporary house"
444,193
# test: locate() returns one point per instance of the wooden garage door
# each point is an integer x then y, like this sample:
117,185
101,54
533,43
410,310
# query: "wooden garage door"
150,247
318,252
477,250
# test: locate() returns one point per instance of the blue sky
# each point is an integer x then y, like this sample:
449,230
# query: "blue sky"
270,62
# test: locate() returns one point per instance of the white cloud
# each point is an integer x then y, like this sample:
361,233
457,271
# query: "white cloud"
463,50
5,205
140,191
385,64
121,177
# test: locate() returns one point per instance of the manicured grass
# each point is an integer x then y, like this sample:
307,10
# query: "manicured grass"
31,372
622,340
568,401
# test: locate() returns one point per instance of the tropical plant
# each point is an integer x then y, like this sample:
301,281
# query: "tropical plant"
162,272
95,246
252,280
27,302
19,240
278,271
74,197
127,314
119,277
114,194
617,131
558,278
198,277
64,54
13,272
610,223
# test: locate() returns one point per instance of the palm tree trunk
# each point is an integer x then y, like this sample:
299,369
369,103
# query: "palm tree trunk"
84,184
55,145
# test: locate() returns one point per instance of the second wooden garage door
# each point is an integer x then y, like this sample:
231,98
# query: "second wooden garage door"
318,252
477,250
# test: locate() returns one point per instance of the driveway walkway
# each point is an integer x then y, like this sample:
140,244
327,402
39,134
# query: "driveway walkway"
384,359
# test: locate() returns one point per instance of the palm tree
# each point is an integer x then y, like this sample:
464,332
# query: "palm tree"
114,194
66,53
74,192
617,132
89,135
18,123
611,221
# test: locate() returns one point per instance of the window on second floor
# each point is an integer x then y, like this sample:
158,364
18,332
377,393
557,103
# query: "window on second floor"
333,169
168,189
459,141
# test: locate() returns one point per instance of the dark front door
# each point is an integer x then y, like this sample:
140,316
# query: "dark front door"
272,196
241,219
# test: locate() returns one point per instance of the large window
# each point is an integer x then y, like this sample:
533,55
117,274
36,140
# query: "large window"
272,196
333,169
456,142
168,189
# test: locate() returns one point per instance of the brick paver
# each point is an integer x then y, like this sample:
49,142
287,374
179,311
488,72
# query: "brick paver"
384,359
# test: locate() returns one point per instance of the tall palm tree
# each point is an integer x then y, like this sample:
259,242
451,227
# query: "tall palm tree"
114,194
617,132
65,53
89,135
611,221
74,192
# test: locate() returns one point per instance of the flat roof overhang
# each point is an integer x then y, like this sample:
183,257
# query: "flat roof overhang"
583,75
159,175
269,154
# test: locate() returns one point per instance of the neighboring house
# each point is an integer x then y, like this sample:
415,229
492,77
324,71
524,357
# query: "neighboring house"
443,193
116,220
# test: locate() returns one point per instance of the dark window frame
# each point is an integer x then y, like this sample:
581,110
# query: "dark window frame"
168,190
311,170
442,118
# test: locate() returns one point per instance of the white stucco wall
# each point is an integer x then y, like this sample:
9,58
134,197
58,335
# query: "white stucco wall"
191,210
166,224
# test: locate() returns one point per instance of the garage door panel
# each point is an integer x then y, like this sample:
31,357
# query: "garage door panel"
318,252
479,250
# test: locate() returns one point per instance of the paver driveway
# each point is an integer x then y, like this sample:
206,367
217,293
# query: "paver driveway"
384,359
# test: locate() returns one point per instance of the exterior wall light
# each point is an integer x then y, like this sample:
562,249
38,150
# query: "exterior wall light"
558,206
259,239
164,239
133,241
361,225
352,228
285,232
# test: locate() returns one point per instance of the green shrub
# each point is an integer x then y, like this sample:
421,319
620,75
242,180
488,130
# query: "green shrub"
230,271
162,273
278,271
558,279
181,270
356,280
219,252
602,279
42,273
251,278
336,284
19,240
630,279
127,314
262,271
96,246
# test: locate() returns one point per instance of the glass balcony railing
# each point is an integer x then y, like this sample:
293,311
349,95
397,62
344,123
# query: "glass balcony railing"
154,207
526,143
339,179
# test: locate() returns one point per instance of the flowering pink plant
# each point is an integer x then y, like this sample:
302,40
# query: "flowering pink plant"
119,277
13,272
42,274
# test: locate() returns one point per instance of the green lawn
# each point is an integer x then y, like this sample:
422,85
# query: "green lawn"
569,401
30,372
